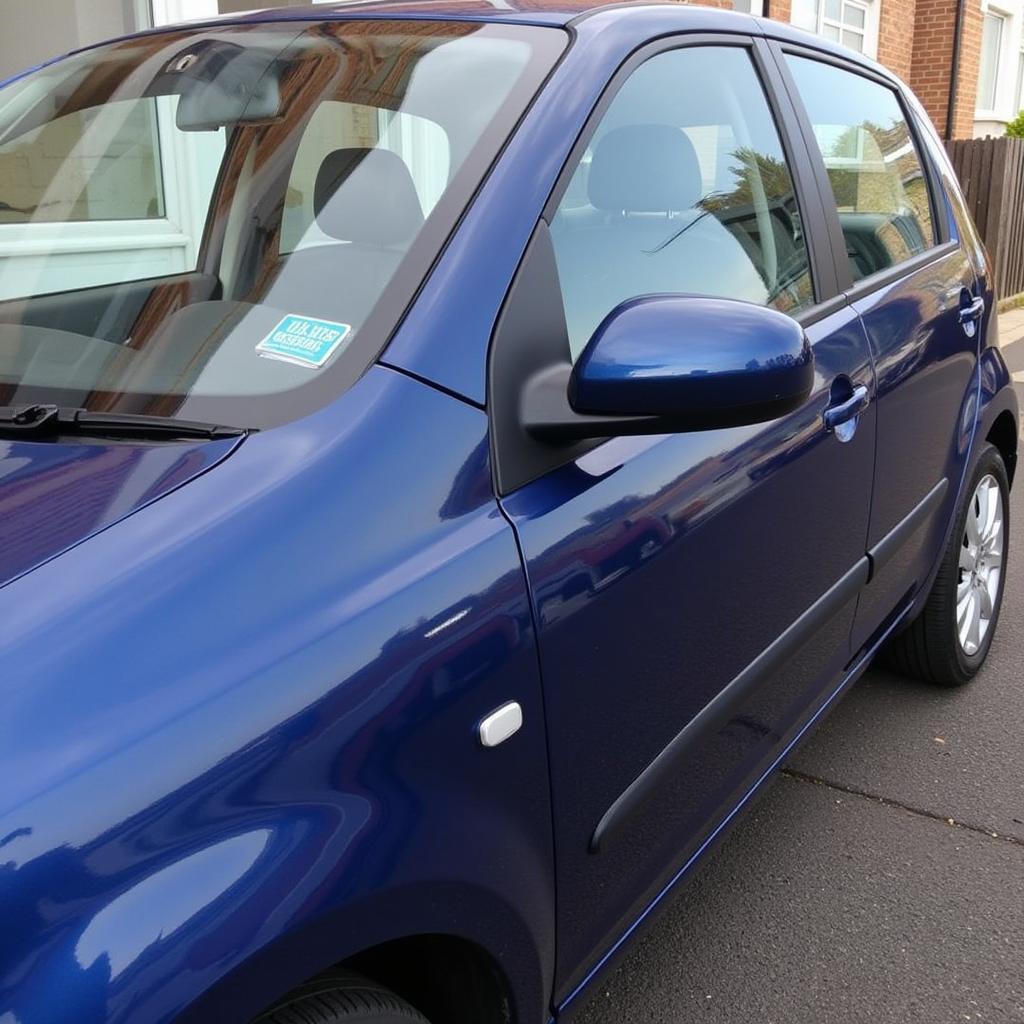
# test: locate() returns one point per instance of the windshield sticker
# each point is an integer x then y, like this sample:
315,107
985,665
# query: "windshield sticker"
303,340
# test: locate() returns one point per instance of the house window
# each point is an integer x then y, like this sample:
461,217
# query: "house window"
1020,82
991,47
748,6
841,21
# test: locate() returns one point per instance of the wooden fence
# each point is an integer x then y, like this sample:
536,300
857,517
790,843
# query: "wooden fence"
991,172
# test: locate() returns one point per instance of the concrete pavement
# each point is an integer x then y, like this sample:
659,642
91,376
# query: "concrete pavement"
880,878
1011,326
1011,332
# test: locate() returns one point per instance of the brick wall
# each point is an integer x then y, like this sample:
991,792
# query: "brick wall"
970,64
779,10
933,54
896,25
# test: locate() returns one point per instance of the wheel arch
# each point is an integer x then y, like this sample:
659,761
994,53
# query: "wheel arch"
447,978
449,973
1004,433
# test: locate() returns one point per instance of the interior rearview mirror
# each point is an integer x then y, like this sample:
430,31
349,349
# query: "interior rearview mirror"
221,85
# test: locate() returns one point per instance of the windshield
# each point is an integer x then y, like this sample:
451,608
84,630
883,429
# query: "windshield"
227,225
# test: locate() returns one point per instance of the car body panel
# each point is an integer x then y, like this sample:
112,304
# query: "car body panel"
52,496
926,364
275,656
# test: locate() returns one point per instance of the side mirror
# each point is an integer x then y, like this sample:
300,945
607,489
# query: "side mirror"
673,363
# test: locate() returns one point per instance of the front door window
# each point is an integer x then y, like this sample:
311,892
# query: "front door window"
682,189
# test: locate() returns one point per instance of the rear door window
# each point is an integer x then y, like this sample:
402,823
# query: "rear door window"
878,182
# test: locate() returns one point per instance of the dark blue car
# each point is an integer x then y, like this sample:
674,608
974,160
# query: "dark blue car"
450,453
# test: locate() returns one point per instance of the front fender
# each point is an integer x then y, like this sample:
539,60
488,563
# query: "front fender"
239,732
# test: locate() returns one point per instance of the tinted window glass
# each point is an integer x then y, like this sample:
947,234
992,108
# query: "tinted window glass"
878,184
683,188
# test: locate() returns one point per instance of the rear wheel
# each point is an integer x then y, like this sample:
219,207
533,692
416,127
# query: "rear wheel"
341,997
948,642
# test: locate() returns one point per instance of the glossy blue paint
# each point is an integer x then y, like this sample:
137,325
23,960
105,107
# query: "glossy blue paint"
53,496
607,539
242,679
703,359
927,369
233,722
791,742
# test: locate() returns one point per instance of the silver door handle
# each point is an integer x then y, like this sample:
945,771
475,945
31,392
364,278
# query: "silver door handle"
843,412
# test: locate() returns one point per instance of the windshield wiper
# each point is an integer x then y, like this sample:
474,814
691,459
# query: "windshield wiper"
43,421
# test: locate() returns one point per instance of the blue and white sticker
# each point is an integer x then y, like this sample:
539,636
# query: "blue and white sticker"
303,340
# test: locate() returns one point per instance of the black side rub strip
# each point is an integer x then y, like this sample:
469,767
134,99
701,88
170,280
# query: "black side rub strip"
906,527
724,706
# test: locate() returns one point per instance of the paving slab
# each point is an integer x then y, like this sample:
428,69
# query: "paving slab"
1011,326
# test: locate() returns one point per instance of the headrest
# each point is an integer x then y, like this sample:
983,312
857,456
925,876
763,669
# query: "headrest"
644,168
366,195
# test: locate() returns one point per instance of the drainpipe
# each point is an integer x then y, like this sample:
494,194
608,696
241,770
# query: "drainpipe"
954,78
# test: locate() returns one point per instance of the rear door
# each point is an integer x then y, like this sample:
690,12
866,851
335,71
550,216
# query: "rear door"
694,593
913,284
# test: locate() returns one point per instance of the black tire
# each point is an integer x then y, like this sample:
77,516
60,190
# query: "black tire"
341,997
929,647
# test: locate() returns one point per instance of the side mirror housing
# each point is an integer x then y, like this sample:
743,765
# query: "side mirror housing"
693,363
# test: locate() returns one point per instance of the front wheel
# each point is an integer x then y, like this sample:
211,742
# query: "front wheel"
341,997
948,642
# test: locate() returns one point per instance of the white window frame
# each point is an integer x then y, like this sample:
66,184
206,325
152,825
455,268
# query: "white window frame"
167,12
1004,17
870,30
1019,98
78,245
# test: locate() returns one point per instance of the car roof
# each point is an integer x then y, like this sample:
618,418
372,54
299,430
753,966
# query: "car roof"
547,12
558,13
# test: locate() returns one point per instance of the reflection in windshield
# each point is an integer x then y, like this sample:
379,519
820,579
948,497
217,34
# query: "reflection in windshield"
226,225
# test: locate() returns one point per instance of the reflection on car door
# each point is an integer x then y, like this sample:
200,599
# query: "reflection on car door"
694,593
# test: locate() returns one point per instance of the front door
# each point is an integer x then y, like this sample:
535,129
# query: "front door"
694,593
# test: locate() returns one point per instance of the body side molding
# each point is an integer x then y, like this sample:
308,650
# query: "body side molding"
718,711
906,527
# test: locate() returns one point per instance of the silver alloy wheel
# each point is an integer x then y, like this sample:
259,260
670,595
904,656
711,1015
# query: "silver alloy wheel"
981,565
